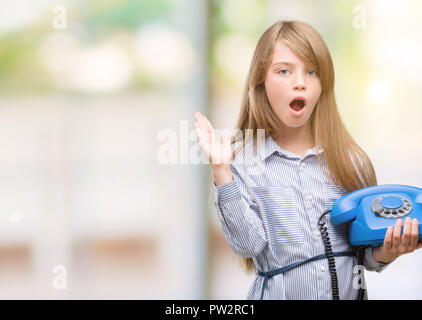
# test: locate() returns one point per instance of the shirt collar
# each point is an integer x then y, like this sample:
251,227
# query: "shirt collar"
271,147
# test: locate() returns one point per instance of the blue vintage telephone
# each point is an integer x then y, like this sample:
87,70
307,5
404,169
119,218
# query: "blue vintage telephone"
370,211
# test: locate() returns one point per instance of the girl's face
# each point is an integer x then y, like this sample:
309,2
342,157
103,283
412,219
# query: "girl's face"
288,78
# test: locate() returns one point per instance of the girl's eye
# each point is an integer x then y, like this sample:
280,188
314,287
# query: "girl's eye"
284,72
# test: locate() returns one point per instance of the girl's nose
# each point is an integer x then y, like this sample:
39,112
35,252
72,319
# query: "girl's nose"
299,83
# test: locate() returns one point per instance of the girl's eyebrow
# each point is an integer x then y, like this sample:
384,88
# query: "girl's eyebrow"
284,62
289,64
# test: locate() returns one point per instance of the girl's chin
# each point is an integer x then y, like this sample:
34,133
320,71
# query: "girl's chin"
296,122
296,125
292,121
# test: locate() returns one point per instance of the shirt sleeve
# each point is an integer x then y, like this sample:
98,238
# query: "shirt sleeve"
239,217
370,263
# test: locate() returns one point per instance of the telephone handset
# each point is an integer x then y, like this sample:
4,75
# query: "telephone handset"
370,211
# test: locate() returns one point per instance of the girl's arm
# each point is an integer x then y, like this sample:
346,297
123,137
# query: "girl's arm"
370,263
240,222
238,215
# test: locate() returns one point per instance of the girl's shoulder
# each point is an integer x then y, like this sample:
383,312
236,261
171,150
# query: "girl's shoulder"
246,162
249,153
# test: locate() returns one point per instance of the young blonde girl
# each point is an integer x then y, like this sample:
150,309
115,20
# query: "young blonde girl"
270,218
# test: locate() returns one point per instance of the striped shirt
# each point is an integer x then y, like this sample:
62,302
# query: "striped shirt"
292,192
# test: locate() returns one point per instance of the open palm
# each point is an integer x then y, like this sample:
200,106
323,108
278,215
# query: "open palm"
218,153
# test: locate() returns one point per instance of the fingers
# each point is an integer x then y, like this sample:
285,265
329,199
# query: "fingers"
414,234
396,235
218,153
405,240
207,139
205,124
199,121
388,239
397,243
206,127
202,130
201,138
199,131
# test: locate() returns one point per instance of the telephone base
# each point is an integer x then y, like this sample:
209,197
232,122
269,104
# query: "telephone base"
374,243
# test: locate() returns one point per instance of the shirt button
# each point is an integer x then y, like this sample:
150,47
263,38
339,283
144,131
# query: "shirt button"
317,233
322,268
309,197
302,164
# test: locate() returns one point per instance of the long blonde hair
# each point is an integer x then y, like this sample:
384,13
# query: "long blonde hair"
348,165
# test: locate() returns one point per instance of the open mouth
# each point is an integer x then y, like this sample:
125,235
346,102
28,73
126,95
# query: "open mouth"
297,104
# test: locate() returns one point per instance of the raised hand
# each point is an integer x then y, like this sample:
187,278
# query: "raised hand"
219,154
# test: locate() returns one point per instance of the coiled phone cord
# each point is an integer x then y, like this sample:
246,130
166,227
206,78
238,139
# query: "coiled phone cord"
330,255
331,260
360,255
